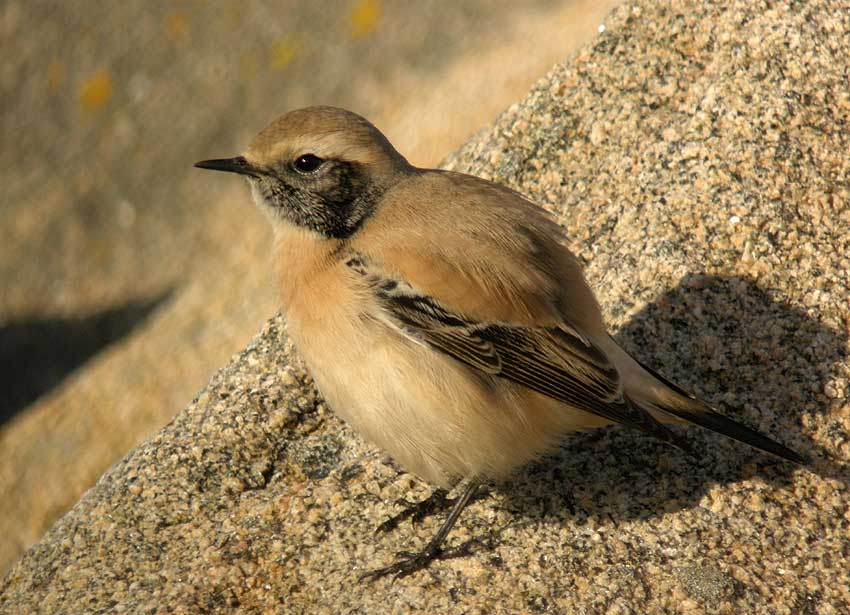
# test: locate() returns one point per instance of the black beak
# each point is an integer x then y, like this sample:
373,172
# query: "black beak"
231,165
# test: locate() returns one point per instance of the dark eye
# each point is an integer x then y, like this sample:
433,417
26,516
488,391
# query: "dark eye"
307,163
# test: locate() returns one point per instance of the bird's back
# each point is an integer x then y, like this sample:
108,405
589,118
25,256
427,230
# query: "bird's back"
481,248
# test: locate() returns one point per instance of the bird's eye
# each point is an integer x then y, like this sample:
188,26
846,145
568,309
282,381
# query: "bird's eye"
307,163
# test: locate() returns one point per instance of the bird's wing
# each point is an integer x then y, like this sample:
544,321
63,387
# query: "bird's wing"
556,361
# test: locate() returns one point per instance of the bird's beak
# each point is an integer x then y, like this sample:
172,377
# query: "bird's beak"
231,165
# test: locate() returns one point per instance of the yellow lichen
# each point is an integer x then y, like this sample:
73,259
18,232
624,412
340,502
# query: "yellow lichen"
364,17
283,51
176,25
96,91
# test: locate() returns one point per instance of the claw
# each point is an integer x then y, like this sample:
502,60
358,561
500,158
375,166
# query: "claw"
417,511
409,562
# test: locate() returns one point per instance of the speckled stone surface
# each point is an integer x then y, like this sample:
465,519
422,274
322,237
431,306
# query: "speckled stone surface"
698,159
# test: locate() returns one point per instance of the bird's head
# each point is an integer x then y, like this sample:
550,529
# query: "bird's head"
320,168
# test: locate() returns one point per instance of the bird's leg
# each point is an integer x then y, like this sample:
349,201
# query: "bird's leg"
418,510
410,562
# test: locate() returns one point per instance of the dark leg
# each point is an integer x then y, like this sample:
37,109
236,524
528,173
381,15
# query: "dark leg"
416,511
409,562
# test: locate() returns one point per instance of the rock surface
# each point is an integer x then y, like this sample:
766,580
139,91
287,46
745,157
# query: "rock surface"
697,157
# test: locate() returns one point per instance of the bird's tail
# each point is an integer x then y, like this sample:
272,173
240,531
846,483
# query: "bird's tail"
668,402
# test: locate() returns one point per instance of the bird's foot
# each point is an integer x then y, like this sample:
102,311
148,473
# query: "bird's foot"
417,511
409,562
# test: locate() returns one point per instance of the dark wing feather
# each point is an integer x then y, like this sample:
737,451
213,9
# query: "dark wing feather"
554,361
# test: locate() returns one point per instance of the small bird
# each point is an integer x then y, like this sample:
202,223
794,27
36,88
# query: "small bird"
441,315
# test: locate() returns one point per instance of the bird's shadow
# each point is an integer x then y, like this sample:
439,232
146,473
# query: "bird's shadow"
742,349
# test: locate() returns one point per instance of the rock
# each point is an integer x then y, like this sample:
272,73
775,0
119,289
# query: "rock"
697,157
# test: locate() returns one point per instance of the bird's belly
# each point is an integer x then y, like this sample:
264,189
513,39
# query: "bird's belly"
436,417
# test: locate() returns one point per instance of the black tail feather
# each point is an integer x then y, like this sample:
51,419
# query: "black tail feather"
710,419
694,410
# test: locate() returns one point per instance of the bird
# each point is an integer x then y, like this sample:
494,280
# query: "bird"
442,315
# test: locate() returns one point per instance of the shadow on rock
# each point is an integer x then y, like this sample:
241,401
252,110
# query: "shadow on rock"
751,355
36,355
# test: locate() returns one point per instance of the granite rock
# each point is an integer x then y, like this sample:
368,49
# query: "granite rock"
696,155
